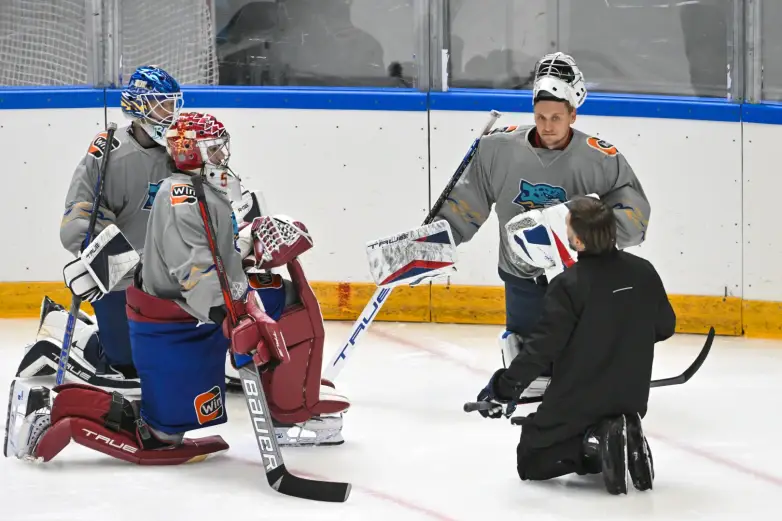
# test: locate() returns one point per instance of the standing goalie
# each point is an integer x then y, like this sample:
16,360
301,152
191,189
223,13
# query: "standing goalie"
518,169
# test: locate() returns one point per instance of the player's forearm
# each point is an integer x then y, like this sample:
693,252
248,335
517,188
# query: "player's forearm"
75,221
631,224
465,215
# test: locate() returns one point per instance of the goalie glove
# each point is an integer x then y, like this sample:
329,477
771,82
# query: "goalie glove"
413,257
101,265
257,334
539,239
278,240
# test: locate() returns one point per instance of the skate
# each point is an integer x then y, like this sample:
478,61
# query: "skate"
318,431
605,450
639,456
29,415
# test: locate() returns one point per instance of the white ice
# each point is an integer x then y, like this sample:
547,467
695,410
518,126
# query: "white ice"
411,453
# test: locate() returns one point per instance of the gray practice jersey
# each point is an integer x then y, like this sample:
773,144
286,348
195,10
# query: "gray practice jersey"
510,173
132,178
178,263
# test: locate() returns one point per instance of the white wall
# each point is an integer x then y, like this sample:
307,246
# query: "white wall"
762,206
41,149
353,176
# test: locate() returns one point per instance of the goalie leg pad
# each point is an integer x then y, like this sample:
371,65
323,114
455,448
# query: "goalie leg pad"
87,362
107,423
294,389
180,362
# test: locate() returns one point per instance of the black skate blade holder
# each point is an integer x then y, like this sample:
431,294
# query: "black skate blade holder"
664,382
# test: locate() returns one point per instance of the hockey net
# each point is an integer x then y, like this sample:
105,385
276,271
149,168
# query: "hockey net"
46,42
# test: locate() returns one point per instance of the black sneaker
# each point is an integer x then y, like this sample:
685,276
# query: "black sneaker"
639,456
612,436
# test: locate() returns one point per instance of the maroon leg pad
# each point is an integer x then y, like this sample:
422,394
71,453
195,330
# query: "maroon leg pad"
78,414
191,451
80,400
56,438
293,389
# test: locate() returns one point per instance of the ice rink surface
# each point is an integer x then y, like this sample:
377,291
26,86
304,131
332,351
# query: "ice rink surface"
412,454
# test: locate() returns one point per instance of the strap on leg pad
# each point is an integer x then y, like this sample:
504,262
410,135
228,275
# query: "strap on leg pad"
112,410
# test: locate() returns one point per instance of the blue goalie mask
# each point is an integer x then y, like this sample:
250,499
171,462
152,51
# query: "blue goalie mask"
153,98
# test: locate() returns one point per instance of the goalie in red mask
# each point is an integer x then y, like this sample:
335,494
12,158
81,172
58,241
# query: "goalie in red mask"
179,335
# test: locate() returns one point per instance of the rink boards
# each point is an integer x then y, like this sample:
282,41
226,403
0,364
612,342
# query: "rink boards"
355,165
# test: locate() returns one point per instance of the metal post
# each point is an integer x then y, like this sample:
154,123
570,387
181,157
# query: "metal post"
736,49
438,43
93,10
422,50
753,56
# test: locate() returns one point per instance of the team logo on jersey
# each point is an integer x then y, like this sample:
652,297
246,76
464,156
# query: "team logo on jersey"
209,405
98,145
151,193
602,145
182,194
541,195
503,130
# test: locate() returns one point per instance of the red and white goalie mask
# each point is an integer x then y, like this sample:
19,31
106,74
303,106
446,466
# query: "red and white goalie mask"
200,144
278,240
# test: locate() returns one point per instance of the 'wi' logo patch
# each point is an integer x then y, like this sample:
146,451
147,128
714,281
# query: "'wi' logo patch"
182,194
209,405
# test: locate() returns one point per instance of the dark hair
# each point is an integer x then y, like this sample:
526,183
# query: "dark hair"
594,223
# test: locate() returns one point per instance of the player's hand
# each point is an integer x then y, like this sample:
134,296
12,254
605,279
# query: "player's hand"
257,334
80,282
489,394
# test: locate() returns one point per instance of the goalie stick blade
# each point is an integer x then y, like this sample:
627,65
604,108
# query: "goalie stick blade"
295,486
280,479
690,371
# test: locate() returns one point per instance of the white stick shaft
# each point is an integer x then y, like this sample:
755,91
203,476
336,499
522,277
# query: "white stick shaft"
359,327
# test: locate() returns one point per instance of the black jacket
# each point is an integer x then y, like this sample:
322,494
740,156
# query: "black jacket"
600,321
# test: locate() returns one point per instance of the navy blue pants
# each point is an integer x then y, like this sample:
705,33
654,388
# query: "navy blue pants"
523,305
182,369
113,328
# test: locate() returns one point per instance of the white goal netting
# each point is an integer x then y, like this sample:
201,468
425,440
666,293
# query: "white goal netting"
43,42
177,35
48,42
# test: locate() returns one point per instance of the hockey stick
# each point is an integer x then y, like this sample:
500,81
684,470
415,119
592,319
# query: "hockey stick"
70,326
370,311
663,382
280,479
